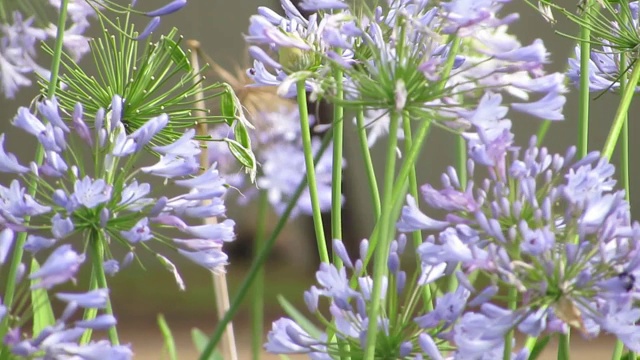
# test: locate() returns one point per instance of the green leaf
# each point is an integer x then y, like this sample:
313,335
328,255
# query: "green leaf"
178,56
200,340
169,342
300,319
42,311
244,156
228,107
539,347
242,135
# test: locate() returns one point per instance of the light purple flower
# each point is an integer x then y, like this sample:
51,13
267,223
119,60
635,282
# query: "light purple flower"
61,266
91,193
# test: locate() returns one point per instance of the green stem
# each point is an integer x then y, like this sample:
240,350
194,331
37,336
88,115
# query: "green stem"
96,246
621,113
413,182
563,346
617,350
91,312
336,178
542,131
624,160
531,343
368,164
258,288
57,50
381,244
18,251
311,173
512,303
583,110
259,260
416,236
461,160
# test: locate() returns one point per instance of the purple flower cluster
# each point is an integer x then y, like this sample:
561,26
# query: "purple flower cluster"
22,37
278,148
393,61
547,226
605,63
105,201
61,339
405,332
301,45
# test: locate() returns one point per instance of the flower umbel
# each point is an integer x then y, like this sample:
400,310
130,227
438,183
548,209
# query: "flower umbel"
106,201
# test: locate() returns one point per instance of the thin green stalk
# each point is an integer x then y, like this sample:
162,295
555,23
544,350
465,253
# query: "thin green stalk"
621,113
531,343
259,260
57,49
91,312
257,318
461,160
416,236
336,178
564,347
512,303
583,110
18,251
617,350
311,173
381,244
413,182
96,247
368,164
542,131
624,160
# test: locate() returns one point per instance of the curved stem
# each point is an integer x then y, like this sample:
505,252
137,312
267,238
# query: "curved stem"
311,173
18,251
381,242
336,178
259,260
368,164
257,319
621,113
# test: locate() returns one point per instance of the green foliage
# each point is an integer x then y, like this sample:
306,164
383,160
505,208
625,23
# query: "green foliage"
200,340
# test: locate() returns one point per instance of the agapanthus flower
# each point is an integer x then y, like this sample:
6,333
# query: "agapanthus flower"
23,30
300,48
108,201
551,227
613,33
406,330
60,339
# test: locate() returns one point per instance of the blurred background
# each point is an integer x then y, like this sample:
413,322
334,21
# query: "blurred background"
139,295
